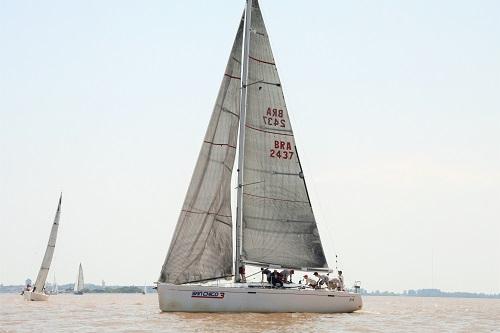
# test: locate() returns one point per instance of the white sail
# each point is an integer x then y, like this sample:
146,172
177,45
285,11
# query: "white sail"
201,246
275,224
49,252
55,288
79,280
278,225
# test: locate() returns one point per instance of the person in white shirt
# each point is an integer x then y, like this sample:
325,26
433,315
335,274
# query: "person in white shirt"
322,279
310,282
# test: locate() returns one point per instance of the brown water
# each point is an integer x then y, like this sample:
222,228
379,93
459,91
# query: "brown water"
140,313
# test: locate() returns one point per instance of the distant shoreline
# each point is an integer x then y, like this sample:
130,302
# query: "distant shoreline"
431,293
88,289
95,289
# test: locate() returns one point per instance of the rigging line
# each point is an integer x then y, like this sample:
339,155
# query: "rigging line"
301,175
262,181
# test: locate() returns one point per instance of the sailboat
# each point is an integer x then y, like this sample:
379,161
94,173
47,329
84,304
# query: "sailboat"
78,290
274,227
55,287
38,292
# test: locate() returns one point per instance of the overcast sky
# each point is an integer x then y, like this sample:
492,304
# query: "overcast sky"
395,107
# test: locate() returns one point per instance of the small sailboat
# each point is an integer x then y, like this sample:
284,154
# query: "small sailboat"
78,290
55,287
275,225
38,292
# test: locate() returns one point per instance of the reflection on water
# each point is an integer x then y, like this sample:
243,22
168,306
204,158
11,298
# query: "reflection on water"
140,313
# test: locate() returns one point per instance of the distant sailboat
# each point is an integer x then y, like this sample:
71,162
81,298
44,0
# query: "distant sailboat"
78,290
38,293
275,224
55,288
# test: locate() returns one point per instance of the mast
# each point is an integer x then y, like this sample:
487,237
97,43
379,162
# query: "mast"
241,140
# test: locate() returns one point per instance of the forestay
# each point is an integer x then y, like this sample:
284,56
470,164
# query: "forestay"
49,252
201,246
279,227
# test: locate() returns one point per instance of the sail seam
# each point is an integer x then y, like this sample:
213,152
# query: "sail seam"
219,144
233,77
262,61
287,200
265,131
276,231
209,213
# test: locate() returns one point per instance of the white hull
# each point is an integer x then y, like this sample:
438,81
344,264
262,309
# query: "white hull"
199,298
34,296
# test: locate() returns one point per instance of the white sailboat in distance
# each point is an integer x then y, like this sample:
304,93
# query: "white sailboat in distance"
78,290
38,292
275,225
55,287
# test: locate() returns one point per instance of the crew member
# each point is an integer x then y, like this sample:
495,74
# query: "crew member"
287,275
276,279
310,282
322,279
267,273
341,281
242,274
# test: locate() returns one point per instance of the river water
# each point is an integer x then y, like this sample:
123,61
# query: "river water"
140,313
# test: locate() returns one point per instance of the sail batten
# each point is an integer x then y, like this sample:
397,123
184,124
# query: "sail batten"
201,246
279,227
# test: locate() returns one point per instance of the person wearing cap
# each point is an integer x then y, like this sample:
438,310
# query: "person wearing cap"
310,282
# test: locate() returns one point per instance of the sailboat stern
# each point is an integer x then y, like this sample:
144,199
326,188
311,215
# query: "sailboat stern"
34,296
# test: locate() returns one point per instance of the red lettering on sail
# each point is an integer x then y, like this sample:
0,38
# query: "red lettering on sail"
272,117
282,150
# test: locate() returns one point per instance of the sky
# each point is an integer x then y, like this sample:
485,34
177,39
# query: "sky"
395,107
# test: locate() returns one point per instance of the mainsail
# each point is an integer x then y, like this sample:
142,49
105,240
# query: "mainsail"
49,252
79,280
278,224
201,246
